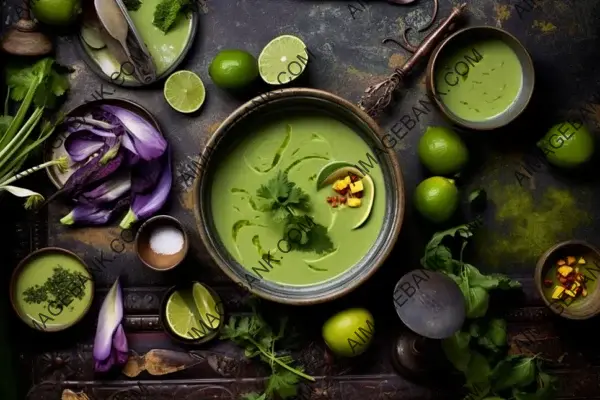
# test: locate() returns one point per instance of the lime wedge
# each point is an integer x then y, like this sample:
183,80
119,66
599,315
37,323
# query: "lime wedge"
327,170
184,91
341,173
180,316
282,60
368,200
91,37
207,307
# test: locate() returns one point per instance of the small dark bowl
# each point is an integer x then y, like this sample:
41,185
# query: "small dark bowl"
54,147
159,262
172,335
583,307
484,32
17,271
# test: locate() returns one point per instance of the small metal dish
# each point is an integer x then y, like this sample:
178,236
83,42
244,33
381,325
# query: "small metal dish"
477,33
153,260
584,307
55,146
213,333
54,307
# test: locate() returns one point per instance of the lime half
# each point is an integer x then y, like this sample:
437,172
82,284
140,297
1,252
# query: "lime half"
282,60
184,91
210,312
180,317
194,313
368,200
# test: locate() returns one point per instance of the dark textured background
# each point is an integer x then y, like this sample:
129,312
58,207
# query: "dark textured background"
562,38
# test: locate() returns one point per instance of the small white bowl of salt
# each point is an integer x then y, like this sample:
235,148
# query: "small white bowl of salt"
161,243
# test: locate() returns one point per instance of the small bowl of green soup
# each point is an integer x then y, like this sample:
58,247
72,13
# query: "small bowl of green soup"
566,277
482,78
51,289
298,200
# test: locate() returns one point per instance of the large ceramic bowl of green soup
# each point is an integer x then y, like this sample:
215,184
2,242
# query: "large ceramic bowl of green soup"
481,77
298,200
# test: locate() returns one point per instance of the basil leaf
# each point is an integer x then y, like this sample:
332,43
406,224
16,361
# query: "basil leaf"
514,371
478,370
456,348
479,300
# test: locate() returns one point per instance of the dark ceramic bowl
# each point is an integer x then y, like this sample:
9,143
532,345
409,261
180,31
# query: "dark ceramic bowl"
477,33
286,101
584,307
159,262
213,332
54,146
13,294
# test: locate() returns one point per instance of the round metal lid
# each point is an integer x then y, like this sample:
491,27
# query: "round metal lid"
429,303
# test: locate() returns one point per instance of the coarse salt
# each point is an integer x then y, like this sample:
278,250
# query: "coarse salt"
166,240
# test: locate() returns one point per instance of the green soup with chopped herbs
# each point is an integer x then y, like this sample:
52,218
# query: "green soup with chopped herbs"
52,291
272,218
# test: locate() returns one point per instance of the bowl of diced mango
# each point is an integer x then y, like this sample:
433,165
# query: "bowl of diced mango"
566,277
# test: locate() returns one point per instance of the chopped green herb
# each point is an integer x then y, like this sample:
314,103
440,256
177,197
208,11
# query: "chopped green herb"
63,286
132,5
167,11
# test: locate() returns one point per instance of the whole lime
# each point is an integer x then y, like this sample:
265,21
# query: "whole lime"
567,145
442,151
233,69
436,198
349,332
56,12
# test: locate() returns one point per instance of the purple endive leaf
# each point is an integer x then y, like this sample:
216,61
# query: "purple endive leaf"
88,128
146,205
145,175
90,120
120,347
109,320
146,141
82,144
91,214
110,190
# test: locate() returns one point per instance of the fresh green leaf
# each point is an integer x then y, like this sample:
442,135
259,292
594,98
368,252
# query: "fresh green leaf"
318,241
456,348
496,332
280,193
488,282
132,5
479,300
546,389
166,13
515,371
478,391
478,370
283,383
5,121
254,396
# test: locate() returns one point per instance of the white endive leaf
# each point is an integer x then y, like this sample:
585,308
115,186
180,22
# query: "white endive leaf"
20,192
111,314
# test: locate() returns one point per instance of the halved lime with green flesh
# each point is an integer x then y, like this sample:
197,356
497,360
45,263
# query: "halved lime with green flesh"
329,169
180,317
282,60
209,311
367,200
184,91
342,173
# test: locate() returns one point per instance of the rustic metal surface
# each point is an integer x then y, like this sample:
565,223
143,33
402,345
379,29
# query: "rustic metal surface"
345,38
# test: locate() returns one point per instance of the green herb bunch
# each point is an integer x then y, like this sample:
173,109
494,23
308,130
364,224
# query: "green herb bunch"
258,339
285,201
167,12
480,349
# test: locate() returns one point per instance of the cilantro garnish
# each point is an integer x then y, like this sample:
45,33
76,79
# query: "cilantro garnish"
284,200
257,338
167,11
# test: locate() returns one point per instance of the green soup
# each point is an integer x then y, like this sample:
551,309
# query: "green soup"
298,146
480,80
165,49
52,291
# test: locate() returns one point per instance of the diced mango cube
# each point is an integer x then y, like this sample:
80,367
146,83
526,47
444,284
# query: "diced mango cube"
558,292
356,187
581,260
348,180
561,262
571,260
584,292
340,184
570,293
565,270
354,202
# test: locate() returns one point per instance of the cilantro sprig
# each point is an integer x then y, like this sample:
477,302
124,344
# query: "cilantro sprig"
286,202
480,349
258,339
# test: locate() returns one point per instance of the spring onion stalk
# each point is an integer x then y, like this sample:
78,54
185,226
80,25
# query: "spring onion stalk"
33,199
62,163
18,140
